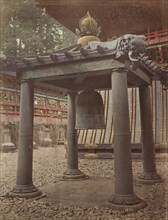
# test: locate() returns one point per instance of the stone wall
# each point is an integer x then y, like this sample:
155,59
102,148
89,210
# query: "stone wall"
47,132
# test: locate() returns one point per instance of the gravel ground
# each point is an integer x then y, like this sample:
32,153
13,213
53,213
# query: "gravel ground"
49,165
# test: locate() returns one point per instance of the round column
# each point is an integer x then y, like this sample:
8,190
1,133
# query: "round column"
72,171
24,185
124,194
149,174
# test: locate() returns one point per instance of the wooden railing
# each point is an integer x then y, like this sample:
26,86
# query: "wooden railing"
44,106
49,107
157,37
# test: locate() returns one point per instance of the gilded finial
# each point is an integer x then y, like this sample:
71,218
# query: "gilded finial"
88,26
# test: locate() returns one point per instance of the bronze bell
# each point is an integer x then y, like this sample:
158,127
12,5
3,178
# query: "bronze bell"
89,110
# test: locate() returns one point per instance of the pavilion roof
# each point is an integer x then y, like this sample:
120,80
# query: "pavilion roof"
76,54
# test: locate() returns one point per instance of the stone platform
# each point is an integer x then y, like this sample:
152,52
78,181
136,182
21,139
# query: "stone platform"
89,192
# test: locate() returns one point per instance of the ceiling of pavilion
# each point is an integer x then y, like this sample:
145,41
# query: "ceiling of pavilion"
115,17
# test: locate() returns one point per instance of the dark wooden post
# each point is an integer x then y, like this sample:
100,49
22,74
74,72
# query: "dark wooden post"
24,186
124,194
149,167
72,171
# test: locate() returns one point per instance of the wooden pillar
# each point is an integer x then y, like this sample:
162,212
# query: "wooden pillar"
149,167
72,171
24,185
124,194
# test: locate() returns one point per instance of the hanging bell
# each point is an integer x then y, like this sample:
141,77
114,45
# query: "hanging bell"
89,110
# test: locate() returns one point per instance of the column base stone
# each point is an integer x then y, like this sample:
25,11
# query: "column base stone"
73,174
126,203
25,191
149,178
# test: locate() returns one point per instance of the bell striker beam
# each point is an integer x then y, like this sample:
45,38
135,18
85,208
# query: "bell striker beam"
149,167
124,194
72,171
24,186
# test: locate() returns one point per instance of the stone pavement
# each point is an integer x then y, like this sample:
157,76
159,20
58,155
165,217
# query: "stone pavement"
64,203
89,192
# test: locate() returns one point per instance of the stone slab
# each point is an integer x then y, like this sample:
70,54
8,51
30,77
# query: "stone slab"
90,192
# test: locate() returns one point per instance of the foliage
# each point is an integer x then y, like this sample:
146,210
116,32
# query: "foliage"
29,30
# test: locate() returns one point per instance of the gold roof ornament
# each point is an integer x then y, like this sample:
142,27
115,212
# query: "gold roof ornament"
88,30
88,26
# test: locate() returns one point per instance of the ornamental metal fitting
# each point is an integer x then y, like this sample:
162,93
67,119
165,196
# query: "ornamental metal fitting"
88,26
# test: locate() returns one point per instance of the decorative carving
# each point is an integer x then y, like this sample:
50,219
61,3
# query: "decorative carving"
71,174
24,189
6,96
130,46
160,74
149,178
63,104
39,101
125,199
52,103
